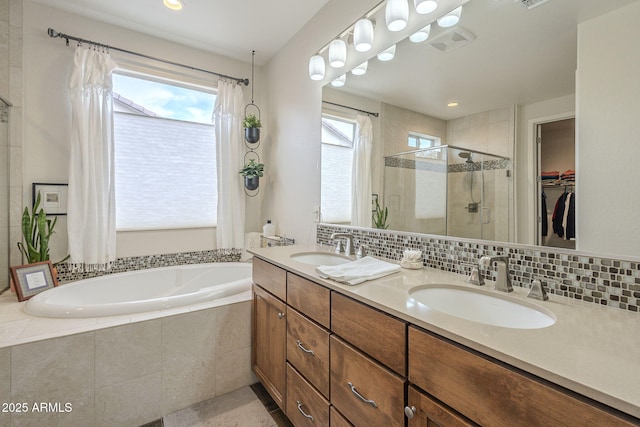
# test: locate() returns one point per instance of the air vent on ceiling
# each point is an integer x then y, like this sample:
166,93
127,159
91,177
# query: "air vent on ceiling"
533,3
452,39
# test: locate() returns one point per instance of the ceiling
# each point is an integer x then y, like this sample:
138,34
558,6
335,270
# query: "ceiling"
519,56
232,28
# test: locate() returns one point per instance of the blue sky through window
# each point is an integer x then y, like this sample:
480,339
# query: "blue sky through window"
166,100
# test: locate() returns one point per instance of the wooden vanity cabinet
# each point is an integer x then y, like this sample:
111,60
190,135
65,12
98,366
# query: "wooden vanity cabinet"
427,412
269,329
305,406
491,393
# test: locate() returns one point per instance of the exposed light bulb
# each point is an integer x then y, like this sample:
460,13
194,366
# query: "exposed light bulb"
337,53
360,69
396,14
421,35
339,81
387,54
451,18
316,67
363,35
425,6
173,4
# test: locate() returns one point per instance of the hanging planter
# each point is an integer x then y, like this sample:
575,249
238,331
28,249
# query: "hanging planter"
252,172
251,128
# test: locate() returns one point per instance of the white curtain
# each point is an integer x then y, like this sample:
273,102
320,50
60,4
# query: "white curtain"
227,117
91,219
361,173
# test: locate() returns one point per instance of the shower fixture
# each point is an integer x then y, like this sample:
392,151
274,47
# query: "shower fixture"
466,155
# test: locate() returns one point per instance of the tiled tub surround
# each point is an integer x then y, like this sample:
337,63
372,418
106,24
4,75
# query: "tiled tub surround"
604,281
578,352
122,370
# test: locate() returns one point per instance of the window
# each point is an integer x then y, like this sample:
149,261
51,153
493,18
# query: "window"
338,135
165,157
420,141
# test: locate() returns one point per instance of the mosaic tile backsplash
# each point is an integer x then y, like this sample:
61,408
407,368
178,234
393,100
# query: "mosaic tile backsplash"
604,281
121,265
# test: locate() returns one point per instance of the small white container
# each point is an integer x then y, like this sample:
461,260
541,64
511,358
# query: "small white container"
269,229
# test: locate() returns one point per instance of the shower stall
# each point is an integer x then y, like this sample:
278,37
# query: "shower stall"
447,190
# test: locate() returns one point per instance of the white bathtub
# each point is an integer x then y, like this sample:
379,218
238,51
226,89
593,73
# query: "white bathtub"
143,290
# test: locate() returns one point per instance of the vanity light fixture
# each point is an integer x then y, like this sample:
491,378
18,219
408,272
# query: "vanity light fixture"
337,53
425,6
363,35
316,67
339,81
387,54
396,14
360,69
173,4
451,18
421,35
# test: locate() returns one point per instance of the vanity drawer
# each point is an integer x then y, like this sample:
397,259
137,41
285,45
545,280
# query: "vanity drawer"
362,326
305,406
308,350
489,393
270,278
364,391
337,419
309,298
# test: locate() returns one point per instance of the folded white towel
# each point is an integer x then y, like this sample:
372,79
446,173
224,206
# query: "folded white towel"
355,272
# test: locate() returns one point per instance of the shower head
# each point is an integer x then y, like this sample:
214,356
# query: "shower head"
466,155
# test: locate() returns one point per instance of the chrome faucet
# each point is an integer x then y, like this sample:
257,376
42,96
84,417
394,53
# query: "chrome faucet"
348,249
503,281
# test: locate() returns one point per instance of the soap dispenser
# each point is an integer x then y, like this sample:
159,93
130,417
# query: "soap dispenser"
269,229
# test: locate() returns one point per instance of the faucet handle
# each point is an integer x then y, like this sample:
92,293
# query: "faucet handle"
537,291
475,278
340,247
362,251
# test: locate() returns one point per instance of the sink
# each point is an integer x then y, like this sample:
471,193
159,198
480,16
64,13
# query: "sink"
320,258
483,307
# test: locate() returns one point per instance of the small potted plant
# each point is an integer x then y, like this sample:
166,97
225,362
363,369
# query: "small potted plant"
379,217
251,128
252,172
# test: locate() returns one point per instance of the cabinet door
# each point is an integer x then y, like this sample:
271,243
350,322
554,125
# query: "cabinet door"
305,406
365,392
269,343
429,413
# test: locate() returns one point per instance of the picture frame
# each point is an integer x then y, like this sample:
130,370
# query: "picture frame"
374,199
53,197
31,279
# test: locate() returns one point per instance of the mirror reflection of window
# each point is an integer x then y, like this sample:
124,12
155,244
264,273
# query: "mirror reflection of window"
338,134
419,141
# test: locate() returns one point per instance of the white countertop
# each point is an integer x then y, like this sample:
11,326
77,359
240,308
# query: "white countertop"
590,349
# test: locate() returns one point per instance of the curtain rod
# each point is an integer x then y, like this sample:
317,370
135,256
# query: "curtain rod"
351,108
53,33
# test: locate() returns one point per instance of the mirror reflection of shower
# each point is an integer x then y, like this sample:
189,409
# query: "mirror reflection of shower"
450,191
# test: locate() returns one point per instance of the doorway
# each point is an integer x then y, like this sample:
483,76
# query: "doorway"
556,183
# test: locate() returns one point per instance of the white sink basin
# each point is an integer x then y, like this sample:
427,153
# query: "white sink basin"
320,258
483,307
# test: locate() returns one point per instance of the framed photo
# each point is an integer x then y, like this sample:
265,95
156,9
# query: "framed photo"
374,199
53,197
31,279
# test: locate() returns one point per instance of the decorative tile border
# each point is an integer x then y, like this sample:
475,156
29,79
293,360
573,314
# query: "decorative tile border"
593,279
433,165
121,265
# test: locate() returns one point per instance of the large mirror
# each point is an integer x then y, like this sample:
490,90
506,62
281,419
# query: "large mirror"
484,89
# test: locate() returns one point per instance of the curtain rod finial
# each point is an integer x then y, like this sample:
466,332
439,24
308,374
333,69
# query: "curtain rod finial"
244,82
53,33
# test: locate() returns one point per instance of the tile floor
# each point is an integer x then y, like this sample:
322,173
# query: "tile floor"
246,407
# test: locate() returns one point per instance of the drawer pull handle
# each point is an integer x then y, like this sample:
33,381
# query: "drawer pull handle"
311,352
304,414
280,315
361,397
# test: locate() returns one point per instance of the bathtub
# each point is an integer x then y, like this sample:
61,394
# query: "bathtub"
143,290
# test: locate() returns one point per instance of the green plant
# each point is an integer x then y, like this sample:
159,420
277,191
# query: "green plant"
36,232
379,217
251,121
252,169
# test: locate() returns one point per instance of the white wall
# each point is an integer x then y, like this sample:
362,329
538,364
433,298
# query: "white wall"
47,112
608,133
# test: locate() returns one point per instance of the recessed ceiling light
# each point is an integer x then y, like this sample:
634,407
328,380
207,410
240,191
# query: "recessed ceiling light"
173,4
452,104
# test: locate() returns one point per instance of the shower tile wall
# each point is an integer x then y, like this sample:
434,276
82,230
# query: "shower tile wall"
593,279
